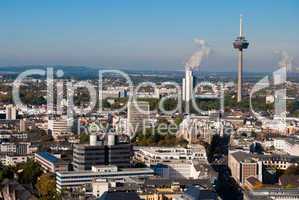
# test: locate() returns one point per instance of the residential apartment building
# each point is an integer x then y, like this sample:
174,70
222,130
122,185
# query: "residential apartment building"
242,166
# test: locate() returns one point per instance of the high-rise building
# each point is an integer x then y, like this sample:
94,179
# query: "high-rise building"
58,127
112,153
11,112
240,43
23,125
243,166
85,156
137,116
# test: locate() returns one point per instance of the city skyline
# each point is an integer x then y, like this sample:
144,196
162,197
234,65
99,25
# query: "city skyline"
145,35
149,100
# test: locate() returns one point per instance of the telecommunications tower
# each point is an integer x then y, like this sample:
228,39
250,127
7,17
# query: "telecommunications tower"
240,43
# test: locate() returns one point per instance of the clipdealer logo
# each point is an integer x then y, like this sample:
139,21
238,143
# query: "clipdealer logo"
98,97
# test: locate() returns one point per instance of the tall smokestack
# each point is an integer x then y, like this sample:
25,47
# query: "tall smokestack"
193,63
188,85
240,43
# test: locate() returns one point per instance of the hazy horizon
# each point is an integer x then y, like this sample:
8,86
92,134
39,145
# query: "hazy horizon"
146,35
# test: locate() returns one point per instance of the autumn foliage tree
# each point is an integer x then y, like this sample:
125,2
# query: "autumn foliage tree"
46,187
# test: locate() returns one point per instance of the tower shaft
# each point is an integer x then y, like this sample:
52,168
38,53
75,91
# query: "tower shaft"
240,76
240,44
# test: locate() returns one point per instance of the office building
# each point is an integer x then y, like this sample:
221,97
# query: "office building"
23,125
137,116
119,154
243,165
289,145
96,153
79,179
85,155
276,161
175,163
59,127
154,155
11,112
50,163
20,148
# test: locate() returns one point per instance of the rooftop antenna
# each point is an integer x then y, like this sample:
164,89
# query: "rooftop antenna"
241,25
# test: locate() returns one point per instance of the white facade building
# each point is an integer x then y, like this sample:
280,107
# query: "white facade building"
11,112
154,155
79,179
99,187
13,160
59,127
287,145
173,163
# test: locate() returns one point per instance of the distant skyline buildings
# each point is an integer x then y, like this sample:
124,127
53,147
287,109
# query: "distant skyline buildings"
145,35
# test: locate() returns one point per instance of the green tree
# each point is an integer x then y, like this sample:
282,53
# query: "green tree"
29,172
6,172
170,104
84,138
178,119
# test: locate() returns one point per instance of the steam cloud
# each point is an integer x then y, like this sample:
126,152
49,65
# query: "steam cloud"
285,60
196,59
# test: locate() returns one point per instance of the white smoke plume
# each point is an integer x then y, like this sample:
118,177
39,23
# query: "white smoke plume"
196,59
285,60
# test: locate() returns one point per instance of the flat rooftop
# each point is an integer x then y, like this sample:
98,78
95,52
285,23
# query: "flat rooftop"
49,157
120,171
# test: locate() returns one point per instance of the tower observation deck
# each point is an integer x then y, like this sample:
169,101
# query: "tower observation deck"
240,43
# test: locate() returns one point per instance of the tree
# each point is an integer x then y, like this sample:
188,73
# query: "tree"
6,172
84,138
170,104
46,187
29,172
178,119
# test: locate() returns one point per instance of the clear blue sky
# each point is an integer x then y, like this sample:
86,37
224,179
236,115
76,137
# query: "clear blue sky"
145,34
